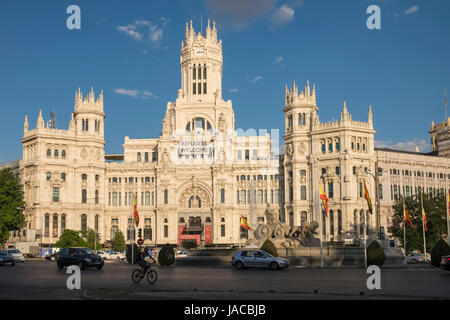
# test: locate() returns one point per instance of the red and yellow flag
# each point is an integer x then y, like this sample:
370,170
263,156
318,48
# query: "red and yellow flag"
408,218
244,223
324,198
448,200
424,217
367,197
135,212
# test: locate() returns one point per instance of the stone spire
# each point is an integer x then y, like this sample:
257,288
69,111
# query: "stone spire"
25,125
370,116
40,121
345,115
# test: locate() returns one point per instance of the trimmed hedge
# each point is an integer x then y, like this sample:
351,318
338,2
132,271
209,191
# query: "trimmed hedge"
375,254
439,250
269,247
166,255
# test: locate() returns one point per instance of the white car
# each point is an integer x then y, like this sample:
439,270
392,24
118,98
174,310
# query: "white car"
17,255
104,255
117,256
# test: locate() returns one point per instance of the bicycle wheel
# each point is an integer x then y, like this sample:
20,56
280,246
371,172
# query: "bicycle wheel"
136,275
152,276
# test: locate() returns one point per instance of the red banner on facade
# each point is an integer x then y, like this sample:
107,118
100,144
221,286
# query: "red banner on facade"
208,233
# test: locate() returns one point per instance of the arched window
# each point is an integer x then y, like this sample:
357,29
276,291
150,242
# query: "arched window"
260,196
56,153
47,225
63,223
83,223
304,217
49,176
195,202
166,196
49,153
194,73
339,222
222,195
243,199
139,157
84,177
331,223
55,226
63,176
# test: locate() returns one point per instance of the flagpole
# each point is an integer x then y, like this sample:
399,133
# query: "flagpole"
131,237
447,200
423,228
321,230
404,227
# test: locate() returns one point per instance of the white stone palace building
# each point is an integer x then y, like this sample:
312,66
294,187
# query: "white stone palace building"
195,181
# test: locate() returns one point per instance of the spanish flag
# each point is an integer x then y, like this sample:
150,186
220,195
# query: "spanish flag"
448,200
367,197
324,199
135,212
244,223
408,218
424,217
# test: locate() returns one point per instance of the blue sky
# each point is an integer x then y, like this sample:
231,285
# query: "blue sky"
130,50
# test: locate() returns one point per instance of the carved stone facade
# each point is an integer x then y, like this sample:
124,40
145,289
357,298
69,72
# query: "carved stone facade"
196,180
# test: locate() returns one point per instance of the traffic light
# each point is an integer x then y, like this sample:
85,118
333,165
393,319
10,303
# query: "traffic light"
140,233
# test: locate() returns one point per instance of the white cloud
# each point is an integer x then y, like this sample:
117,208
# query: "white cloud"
279,59
136,93
406,145
144,30
233,90
281,16
125,92
255,79
412,10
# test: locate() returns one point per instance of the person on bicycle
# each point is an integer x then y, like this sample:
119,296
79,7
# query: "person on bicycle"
141,261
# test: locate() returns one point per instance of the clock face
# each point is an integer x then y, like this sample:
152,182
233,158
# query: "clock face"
198,51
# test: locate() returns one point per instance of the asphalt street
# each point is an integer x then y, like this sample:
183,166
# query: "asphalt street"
42,280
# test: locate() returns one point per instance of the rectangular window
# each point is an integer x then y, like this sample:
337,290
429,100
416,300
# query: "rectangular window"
194,88
303,192
55,194
247,155
204,88
222,230
323,148
330,190
338,171
166,231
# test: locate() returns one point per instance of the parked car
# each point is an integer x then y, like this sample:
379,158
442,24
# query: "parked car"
117,255
257,259
415,258
5,258
52,257
181,253
105,255
82,257
445,263
18,256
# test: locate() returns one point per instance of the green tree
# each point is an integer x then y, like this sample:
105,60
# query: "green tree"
435,209
269,247
441,249
135,250
118,242
92,238
70,238
166,255
11,204
375,254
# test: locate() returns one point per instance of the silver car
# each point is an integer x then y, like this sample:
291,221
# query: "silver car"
257,259
18,256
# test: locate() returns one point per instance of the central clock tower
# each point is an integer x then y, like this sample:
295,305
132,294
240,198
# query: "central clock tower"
201,65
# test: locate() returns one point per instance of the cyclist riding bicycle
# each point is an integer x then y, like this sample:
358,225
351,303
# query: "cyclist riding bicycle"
141,261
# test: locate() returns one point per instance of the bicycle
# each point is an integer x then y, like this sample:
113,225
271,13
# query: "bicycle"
137,275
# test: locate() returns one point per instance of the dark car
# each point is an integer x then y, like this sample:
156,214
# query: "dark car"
81,257
52,257
445,263
5,258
